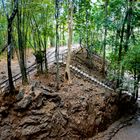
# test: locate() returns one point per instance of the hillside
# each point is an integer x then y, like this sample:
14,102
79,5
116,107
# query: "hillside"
78,110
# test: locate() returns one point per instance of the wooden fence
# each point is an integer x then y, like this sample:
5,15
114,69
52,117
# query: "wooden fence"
32,68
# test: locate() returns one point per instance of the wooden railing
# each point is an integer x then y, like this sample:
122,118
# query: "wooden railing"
33,67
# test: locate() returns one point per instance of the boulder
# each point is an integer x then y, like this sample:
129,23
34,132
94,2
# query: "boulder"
24,103
38,101
6,133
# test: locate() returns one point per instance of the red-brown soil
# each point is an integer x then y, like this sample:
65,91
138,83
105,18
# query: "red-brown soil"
77,111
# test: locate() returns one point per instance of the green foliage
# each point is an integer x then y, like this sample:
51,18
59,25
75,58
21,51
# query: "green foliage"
132,59
3,27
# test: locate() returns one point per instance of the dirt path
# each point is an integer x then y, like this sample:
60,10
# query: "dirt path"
30,60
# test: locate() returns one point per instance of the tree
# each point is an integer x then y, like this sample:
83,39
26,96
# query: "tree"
105,35
21,41
9,30
123,47
131,63
57,42
70,29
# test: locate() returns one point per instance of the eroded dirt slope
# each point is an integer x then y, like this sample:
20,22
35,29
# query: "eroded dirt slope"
77,111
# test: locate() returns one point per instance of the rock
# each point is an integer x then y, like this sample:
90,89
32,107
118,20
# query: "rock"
54,133
43,136
6,133
37,92
4,111
39,101
31,129
55,99
76,108
36,112
30,120
47,89
20,95
43,97
24,103
49,96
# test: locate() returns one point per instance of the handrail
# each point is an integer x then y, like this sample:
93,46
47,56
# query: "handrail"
20,73
32,68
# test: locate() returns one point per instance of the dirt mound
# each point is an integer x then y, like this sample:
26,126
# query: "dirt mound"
76,111
80,60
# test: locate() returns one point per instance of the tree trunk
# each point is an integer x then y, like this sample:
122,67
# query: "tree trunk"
21,48
9,30
127,20
57,44
119,80
11,84
104,44
80,33
87,37
136,88
63,34
70,29
45,53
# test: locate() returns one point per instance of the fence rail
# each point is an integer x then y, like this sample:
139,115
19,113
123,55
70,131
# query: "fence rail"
32,68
